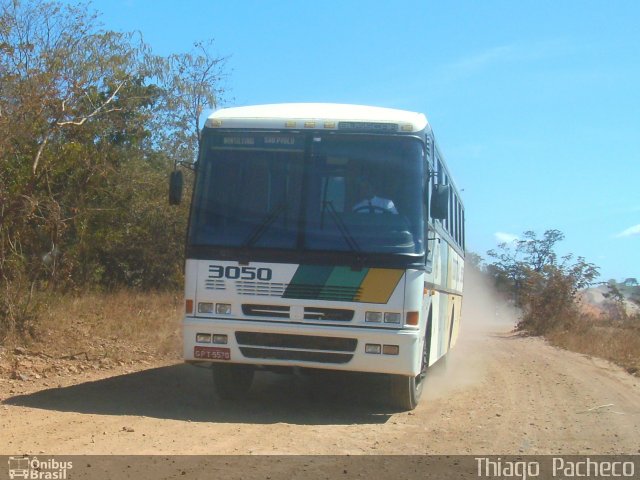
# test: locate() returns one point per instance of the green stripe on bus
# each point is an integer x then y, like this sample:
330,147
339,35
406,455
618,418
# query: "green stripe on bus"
325,283
312,275
347,278
308,281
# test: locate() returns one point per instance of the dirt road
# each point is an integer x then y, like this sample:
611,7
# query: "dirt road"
498,393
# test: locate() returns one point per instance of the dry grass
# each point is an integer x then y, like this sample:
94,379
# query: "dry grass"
120,326
618,342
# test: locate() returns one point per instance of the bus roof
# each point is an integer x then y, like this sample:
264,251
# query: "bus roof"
324,116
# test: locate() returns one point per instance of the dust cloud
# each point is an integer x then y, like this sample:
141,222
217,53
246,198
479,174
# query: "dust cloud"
483,308
485,313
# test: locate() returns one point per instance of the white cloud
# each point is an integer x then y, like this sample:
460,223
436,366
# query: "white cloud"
482,59
502,237
629,232
504,54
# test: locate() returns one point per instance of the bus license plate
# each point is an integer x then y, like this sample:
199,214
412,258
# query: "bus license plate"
212,353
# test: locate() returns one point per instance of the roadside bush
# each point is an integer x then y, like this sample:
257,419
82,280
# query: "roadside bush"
543,287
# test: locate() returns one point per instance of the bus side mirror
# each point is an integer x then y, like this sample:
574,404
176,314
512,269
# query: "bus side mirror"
440,201
175,187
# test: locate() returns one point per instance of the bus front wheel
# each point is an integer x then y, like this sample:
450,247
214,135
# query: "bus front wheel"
232,382
405,392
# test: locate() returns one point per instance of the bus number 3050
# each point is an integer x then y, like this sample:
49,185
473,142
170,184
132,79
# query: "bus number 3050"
243,273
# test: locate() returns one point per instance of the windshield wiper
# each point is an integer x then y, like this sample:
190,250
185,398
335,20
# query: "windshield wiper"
264,226
346,234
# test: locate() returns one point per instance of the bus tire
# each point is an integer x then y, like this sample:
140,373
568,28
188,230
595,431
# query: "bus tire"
405,392
232,382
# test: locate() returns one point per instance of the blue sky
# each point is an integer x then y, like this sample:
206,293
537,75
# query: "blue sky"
535,103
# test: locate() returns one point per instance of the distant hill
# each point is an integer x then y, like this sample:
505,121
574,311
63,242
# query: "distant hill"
598,297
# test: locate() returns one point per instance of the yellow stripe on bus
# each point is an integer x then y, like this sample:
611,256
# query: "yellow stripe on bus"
379,284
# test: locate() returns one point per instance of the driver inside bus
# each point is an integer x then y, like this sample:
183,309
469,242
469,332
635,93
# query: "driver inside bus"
371,203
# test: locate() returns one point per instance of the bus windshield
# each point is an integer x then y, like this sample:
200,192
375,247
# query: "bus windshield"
311,192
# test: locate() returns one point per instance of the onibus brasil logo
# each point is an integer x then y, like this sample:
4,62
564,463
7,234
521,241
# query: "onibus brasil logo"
32,468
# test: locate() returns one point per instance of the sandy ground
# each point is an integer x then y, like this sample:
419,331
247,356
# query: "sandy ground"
498,393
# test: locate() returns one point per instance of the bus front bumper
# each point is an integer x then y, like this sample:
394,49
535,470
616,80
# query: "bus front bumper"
376,350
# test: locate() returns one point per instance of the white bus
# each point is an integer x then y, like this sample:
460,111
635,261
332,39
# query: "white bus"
323,236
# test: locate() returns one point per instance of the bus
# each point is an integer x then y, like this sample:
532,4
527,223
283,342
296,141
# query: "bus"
321,236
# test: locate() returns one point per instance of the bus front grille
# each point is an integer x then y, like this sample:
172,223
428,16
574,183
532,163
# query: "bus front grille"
310,313
214,284
303,356
334,314
307,348
264,289
303,342
277,311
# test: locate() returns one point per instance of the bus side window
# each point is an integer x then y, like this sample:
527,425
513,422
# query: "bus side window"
464,244
451,219
459,223
456,229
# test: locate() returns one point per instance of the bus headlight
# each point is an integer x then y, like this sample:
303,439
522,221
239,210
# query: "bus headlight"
392,317
372,348
203,338
223,308
204,307
374,317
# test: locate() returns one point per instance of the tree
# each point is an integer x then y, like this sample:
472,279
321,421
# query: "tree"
91,123
542,286
63,81
615,302
191,82
59,70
